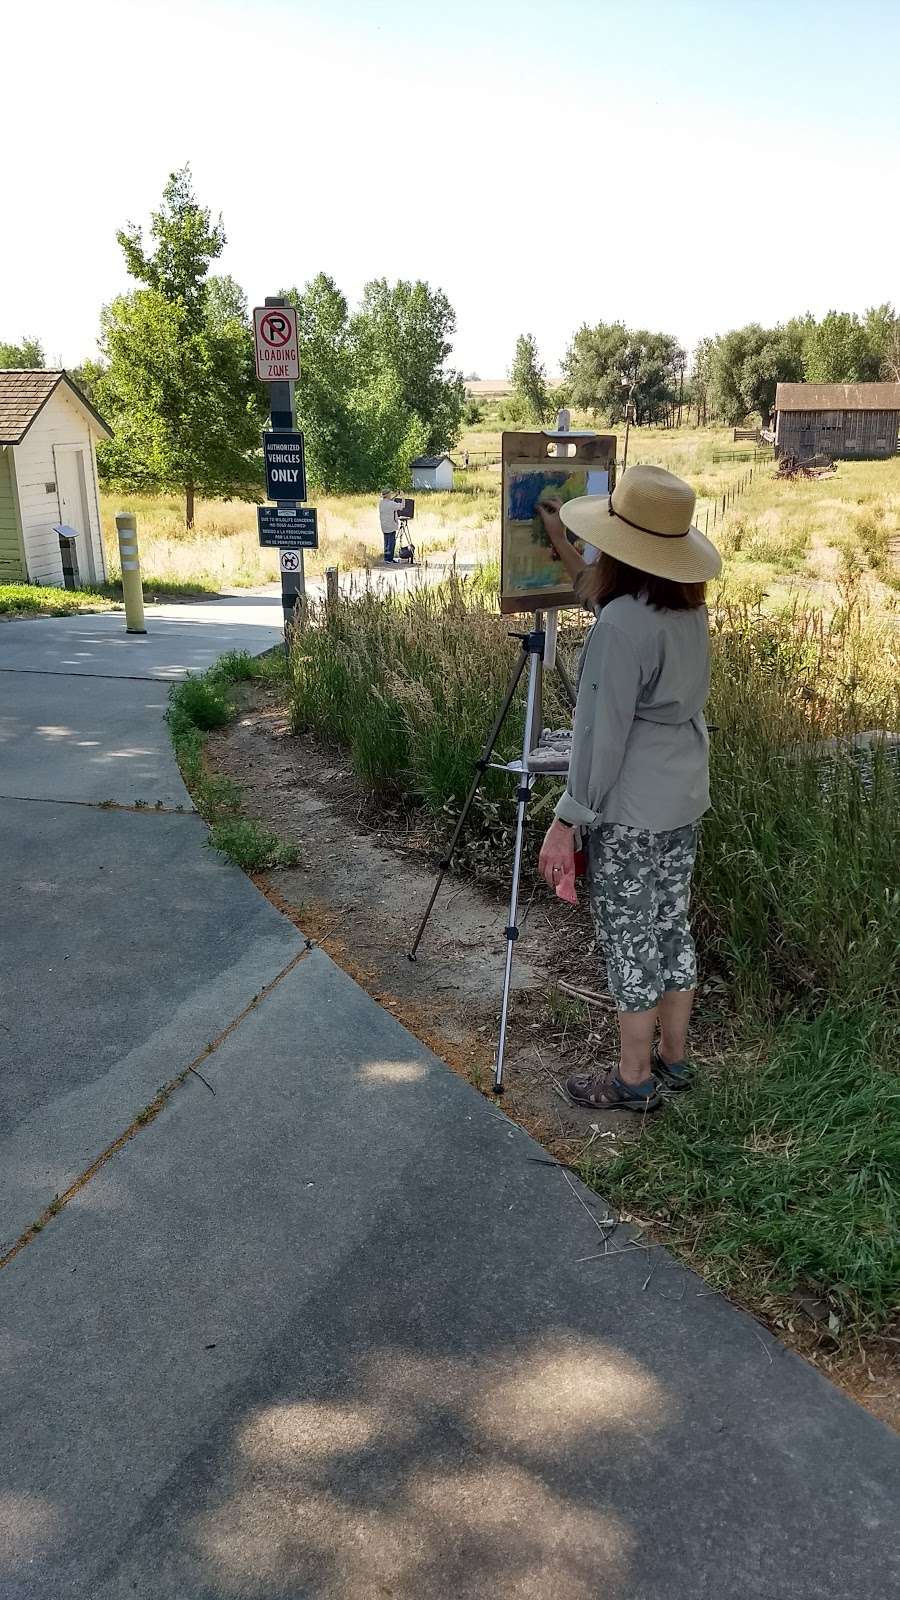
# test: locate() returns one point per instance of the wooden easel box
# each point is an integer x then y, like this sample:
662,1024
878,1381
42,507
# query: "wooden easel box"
530,448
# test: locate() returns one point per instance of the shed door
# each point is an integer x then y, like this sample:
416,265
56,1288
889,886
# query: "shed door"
71,483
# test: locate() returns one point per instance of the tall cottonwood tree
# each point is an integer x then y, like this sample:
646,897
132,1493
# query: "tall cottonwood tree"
402,333
608,363
177,382
529,379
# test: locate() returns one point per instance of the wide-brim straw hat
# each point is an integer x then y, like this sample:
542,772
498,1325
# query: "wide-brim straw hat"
647,522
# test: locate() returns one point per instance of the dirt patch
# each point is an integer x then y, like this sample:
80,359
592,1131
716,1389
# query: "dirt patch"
366,872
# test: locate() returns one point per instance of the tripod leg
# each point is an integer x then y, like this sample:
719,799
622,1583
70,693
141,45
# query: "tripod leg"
480,767
512,932
532,729
566,682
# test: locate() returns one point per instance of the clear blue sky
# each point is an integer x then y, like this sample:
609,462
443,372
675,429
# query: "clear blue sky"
679,166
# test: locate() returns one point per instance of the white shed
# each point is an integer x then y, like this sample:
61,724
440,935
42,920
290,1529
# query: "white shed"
432,472
48,478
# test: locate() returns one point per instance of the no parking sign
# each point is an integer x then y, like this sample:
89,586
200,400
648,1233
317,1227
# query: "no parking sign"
277,353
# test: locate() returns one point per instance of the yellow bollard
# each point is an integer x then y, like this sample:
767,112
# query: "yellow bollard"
132,587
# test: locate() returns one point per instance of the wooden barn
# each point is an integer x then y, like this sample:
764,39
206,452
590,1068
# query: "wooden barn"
842,420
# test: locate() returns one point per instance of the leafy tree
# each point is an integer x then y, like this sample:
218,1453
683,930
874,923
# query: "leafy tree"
701,378
327,367
747,365
882,327
839,349
25,356
88,376
529,379
178,386
388,436
403,331
360,432
594,366
607,364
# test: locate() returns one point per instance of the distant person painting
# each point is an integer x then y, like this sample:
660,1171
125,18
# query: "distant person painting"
388,511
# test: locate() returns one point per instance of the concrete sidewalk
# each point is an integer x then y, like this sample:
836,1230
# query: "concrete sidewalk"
127,944
339,1330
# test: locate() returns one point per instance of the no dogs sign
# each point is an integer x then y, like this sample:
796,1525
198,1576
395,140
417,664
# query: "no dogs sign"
277,355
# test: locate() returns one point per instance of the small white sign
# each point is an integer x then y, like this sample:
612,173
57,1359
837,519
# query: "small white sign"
277,353
290,561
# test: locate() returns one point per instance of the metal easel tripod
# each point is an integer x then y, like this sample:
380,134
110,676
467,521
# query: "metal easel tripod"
534,652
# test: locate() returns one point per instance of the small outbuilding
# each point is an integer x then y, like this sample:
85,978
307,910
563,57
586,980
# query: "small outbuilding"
842,420
432,472
48,480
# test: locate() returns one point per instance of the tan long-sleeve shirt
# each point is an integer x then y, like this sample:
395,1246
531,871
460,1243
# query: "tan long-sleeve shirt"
640,749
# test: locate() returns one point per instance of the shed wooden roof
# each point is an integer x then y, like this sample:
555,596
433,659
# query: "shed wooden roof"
25,392
430,461
837,397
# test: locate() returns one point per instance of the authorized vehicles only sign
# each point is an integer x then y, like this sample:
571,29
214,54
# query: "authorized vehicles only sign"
285,465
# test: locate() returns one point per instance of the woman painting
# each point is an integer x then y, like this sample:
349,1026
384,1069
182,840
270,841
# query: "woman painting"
639,774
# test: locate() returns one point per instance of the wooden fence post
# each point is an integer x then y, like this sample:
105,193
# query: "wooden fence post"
332,586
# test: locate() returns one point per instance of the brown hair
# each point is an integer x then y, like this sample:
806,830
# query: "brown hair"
606,578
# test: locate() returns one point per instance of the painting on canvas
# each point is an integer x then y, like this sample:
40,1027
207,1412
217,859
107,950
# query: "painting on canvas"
532,570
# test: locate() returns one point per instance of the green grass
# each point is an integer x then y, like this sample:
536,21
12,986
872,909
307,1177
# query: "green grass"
779,1177
250,846
781,1174
197,706
35,600
198,703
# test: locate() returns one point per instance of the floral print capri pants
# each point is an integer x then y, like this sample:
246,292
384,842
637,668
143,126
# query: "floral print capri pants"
640,890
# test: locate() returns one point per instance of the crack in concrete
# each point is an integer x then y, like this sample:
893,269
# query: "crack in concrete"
149,808
108,677
150,1112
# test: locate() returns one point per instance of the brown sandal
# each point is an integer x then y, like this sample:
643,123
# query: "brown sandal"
606,1092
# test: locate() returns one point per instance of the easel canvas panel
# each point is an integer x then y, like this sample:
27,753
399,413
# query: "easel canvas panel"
531,574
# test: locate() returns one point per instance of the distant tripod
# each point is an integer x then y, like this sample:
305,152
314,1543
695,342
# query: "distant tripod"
534,645
406,550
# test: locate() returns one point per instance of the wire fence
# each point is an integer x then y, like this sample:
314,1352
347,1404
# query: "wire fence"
710,509
714,510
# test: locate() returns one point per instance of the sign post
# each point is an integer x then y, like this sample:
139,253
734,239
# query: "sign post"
286,525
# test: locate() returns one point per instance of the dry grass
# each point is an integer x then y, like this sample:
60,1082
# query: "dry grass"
778,537
223,549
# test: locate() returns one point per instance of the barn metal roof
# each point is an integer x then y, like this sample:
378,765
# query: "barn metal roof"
837,397
24,392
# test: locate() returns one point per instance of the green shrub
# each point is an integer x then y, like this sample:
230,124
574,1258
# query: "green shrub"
237,666
197,703
250,846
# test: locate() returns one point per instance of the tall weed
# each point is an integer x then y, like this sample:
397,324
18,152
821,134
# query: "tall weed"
796,897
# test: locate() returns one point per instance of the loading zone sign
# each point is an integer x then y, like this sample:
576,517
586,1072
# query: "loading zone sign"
285,466
288,527
277,354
